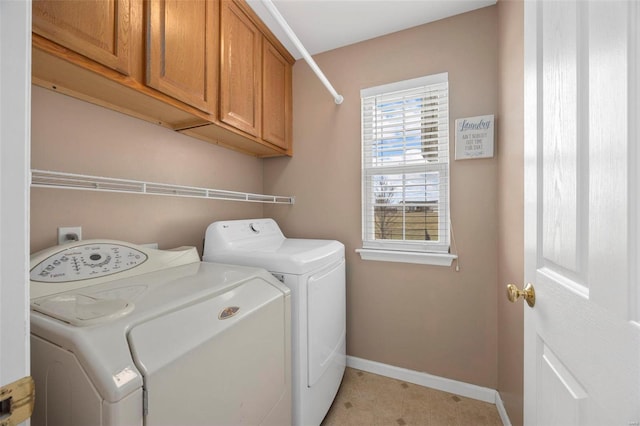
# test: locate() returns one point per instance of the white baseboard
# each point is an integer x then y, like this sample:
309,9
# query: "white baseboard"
502,411
435,382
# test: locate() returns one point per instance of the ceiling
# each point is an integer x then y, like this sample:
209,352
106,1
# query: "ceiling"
323,25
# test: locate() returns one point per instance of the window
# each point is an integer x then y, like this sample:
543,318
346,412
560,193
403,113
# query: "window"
405,171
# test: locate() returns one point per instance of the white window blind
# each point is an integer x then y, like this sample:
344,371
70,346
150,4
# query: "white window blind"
405,165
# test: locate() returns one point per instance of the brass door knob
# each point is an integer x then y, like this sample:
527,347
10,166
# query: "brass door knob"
528,294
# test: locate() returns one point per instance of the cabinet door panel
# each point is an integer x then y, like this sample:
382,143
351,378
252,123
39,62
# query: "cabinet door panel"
240,82
182,50
99,30
276,97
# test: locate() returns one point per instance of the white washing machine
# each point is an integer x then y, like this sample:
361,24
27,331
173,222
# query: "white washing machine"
314,270
126,335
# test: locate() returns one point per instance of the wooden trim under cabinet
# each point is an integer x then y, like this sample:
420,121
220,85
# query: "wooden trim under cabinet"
57,68
228,137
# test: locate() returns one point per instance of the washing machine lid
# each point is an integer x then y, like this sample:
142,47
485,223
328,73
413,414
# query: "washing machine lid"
259,242
82,309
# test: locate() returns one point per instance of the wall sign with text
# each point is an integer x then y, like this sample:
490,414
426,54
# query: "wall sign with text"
474,137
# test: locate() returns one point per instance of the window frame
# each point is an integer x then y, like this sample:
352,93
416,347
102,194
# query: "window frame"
418,251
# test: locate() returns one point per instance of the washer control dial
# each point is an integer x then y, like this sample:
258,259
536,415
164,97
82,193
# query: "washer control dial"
87,261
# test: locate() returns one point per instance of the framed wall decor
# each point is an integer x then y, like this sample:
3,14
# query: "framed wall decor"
474,137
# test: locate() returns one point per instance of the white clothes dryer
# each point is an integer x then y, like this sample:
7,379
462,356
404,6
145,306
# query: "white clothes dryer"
314,270
126,335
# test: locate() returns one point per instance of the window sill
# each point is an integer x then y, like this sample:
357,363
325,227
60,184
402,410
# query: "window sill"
437,259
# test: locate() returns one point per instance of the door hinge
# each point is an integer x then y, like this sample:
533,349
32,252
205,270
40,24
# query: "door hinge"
16,401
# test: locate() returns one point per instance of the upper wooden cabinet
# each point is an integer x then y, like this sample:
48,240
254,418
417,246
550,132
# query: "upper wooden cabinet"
207,68
99,30
255,78
182,54
240,70
276,97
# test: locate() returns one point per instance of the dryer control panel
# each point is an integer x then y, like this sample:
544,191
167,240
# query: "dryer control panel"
87,261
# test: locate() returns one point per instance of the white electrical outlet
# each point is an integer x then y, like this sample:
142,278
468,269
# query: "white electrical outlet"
69,233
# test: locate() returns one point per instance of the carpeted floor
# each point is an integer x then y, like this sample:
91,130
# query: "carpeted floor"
369,399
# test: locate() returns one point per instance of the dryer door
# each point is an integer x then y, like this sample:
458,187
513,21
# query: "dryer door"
326,322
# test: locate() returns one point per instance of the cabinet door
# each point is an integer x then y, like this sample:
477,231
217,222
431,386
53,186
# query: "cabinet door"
276,97
240,70
182,50
99,30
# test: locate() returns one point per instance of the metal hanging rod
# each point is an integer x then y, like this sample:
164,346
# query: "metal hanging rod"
307,57
48,179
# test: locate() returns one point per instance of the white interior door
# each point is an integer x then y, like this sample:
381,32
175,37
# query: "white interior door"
582,338
15,105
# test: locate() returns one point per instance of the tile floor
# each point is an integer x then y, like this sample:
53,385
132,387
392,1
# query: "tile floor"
372,400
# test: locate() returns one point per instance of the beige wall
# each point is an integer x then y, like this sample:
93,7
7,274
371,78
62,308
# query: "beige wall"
424,318
510,205
73,136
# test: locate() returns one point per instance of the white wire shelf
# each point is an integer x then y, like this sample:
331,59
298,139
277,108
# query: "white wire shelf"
60,180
